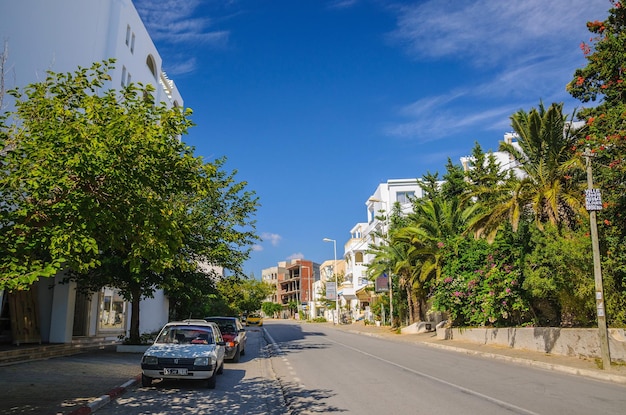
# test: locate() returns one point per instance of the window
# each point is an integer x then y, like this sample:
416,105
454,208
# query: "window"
111,310
358,257
127,34
128,79
132,44
405,197
123,75
151,65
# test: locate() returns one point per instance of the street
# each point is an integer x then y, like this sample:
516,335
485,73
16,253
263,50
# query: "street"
315,368
326,370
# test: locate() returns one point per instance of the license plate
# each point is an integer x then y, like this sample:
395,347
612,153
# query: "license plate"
182,372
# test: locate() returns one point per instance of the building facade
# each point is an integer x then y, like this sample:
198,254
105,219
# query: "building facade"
294,283
60,36
356,293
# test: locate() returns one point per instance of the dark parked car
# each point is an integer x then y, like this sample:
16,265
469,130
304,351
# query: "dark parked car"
234,335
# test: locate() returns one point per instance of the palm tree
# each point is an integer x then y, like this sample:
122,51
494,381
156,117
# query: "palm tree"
433,222
394,259
549,191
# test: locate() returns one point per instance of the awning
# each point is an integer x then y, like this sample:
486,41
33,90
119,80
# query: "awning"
362,294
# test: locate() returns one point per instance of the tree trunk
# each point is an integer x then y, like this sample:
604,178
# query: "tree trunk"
409,300
135,337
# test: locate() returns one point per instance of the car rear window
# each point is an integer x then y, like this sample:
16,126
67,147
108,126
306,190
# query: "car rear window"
226,325
186,335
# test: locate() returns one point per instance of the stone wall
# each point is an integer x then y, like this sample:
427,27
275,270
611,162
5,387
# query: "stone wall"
567,342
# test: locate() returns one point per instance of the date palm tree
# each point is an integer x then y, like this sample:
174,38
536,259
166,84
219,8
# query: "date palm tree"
433,223
550,189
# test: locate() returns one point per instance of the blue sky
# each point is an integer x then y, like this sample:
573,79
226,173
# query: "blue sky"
316,102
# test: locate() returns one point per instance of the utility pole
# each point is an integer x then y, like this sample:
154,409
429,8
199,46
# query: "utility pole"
593,202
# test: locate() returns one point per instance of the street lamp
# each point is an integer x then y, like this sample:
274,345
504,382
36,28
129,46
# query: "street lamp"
335,275
385,231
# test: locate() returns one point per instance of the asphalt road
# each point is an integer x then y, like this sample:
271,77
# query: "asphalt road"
323,370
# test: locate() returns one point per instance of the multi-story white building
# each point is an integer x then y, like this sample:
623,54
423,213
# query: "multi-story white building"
355,298
61,35
505,160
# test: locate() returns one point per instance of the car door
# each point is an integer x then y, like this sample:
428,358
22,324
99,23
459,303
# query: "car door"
242,334
220,350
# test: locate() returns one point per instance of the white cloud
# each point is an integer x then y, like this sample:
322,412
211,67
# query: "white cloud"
272,238
512,53
174,23
297,255
342,4
491,32
257,248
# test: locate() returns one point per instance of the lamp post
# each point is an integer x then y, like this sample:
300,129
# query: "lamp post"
335,275
385,230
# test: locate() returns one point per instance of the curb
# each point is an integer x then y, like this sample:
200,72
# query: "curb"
98,403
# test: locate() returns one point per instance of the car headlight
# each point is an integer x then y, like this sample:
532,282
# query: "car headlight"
202,361
150,360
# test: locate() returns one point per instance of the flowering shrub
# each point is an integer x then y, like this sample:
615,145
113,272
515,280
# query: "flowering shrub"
480,288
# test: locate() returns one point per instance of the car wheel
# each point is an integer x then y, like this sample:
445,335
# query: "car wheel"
243,351
212,380
235,358
146,380
220,370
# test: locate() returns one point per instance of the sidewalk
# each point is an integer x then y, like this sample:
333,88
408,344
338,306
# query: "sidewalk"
571,365
80,384
77,384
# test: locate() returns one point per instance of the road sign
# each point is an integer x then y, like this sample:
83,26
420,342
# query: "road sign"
331,290
593,199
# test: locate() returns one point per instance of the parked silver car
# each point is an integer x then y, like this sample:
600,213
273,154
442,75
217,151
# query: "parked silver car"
189,349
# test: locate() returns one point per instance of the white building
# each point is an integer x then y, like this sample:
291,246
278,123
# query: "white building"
60,36
505,160
355,298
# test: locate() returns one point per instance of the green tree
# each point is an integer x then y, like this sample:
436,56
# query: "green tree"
559,277
271,309
243,295
603,80
98,182
551,186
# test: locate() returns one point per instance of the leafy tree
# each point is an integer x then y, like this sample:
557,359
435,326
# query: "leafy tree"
559,277
455,183
99,183
243,295
271,309
603,80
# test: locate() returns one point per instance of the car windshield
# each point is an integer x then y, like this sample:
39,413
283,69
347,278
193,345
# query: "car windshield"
227,326
186,335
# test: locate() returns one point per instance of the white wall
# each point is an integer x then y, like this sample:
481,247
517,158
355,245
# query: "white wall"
61,35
